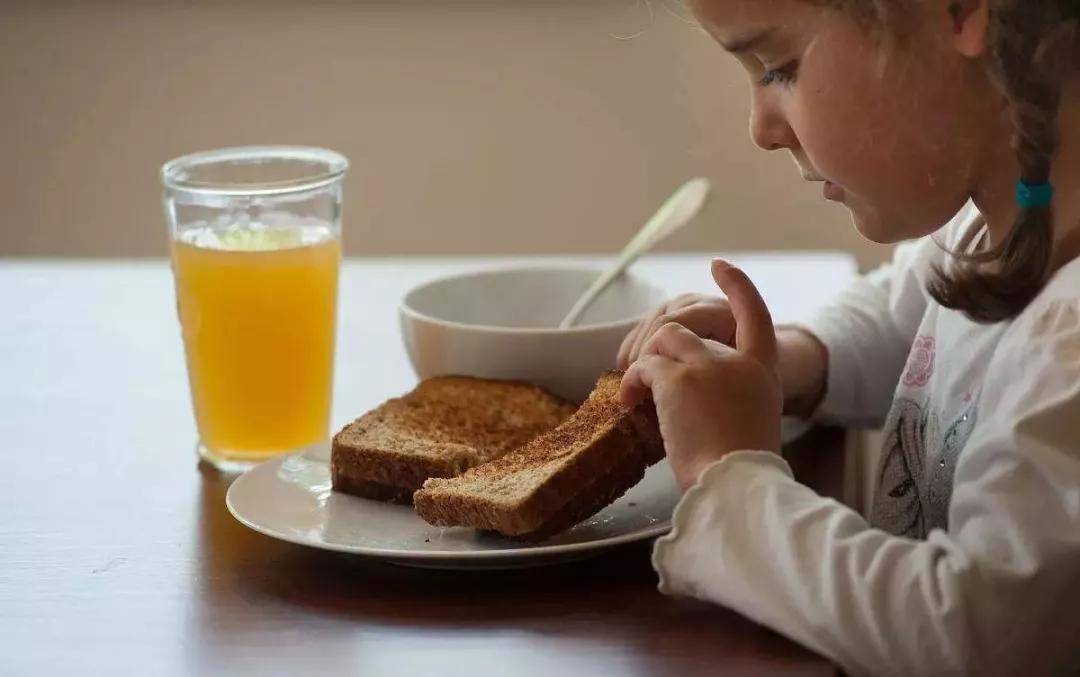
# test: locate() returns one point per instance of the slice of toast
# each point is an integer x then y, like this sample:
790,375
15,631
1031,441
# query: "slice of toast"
557,480
441,429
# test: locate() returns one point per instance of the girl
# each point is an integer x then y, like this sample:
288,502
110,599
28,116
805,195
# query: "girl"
912,113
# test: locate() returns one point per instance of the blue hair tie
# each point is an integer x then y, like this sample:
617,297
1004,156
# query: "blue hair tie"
1033,195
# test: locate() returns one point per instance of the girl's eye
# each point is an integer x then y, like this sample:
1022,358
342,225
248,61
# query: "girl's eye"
783,75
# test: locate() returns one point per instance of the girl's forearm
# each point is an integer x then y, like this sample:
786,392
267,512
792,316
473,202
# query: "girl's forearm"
804,368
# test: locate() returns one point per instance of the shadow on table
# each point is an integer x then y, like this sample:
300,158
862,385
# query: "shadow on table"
236,562
250,582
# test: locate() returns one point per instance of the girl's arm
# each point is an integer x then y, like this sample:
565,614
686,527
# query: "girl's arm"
996,594
803,368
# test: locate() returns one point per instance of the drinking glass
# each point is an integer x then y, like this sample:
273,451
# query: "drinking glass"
255,239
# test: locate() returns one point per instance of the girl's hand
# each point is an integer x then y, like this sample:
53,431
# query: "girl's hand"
707,316
712,399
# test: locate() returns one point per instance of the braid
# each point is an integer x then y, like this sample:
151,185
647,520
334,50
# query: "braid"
1032,50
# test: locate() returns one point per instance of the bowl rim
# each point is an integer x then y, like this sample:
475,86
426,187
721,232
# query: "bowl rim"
405,309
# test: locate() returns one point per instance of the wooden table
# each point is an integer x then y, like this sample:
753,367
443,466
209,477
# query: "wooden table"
117,555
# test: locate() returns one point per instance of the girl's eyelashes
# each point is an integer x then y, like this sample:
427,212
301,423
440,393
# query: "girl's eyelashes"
782,75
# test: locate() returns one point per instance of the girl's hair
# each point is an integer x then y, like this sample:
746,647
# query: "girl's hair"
1033,51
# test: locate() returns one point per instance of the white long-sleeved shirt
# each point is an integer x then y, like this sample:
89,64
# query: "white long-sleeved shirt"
970,563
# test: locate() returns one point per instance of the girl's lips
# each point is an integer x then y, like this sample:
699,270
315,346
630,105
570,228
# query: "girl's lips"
832,192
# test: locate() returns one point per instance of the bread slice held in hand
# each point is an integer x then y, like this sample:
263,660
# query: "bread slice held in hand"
442,428
558,479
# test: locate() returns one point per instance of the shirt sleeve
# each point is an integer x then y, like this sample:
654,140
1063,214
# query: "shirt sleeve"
995,594
868,330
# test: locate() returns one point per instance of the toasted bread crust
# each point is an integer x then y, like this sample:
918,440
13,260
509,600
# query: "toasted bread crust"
373,490
591,499
621,444
614,464
382,474
440,429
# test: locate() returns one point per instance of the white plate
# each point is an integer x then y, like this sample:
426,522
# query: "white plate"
290,498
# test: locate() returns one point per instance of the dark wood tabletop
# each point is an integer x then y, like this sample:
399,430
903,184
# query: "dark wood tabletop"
118,556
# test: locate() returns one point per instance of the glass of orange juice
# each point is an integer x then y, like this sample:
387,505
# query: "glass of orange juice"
255,237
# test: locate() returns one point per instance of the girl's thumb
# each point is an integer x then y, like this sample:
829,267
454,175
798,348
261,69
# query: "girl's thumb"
754,331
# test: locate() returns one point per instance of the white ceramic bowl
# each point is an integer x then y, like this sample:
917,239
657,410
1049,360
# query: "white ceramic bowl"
503,324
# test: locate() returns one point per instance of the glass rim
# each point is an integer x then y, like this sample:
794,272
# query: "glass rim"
174,174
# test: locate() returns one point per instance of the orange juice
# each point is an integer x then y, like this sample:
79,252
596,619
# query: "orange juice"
257,308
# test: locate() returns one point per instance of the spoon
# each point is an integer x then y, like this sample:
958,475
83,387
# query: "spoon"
672,215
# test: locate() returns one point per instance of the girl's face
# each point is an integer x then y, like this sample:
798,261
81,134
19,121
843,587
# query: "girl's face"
895,125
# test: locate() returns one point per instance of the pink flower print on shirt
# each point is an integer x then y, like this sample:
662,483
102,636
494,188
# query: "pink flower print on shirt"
920,366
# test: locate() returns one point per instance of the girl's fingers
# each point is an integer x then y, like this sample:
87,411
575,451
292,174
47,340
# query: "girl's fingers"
626,351
754,331
622,360
685,301
667,316
696,312
677,343
639,379
707,321
644,330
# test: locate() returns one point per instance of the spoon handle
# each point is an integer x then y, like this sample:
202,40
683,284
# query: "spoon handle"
676,211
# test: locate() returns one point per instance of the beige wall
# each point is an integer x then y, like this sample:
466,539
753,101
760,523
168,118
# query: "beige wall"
492,127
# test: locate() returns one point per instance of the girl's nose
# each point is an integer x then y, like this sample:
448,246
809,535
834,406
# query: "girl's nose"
768,128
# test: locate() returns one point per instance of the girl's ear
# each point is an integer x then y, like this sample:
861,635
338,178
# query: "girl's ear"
971,21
